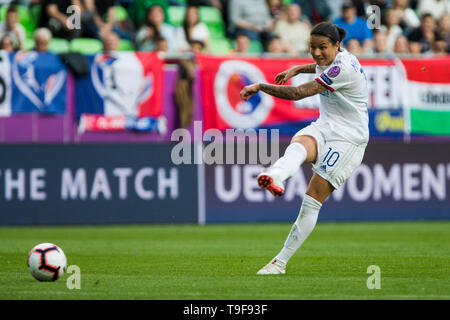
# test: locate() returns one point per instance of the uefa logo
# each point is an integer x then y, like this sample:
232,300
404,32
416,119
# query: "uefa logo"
232,76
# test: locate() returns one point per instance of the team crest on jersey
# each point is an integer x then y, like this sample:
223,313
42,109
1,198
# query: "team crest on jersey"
334,71
232,76
40,88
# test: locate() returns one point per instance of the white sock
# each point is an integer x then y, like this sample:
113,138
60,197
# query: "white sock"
301,229
290,162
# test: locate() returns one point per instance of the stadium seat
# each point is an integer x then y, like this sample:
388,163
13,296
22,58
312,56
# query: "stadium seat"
35,11
58,45
86,45
121,13
125,45
219,46
216,31
255,47
176,15
212,17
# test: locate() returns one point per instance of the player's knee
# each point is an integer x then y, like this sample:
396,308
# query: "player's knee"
315,194
310,145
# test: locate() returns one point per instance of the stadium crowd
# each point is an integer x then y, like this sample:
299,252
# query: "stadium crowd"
384,27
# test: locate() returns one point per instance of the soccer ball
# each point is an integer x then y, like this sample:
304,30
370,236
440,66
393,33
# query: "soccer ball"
46,262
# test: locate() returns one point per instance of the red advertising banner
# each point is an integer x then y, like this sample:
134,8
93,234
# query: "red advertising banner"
223,78
393,84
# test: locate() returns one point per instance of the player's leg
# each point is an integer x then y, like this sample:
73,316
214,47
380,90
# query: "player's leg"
301,149
317,192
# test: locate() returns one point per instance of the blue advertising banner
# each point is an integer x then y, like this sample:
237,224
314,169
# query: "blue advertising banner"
395,182
386,123
95,184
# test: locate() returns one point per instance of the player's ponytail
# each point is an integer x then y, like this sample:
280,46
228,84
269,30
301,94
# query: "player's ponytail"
342,33
329,30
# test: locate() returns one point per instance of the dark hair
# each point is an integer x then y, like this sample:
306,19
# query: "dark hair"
426,15
185,23
12,8
156,32
199,42
329,30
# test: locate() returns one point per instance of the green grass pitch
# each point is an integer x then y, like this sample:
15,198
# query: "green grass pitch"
220,261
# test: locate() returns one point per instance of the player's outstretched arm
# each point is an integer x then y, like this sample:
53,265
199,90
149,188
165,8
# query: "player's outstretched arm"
284,76
283,92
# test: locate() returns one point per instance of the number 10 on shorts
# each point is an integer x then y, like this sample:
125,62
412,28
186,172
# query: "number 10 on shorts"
331,157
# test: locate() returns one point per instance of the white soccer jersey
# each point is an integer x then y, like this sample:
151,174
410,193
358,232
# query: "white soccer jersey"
343,107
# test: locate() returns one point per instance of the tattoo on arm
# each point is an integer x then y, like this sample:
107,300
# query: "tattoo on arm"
307,68
292,93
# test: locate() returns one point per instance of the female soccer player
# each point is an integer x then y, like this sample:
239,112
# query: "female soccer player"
334,144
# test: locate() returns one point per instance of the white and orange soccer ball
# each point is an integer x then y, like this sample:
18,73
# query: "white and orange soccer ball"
46,262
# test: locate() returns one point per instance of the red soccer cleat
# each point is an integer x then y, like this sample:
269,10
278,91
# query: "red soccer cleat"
272,183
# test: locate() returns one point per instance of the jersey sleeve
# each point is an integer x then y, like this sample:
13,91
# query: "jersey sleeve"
334,77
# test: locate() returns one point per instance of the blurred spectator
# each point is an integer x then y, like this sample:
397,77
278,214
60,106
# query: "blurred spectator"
12,28
139,8
362,6
407,16
353,46
444,29
251,17
380,41
275,8
110,42
316,11
439,45
241,43
54,16
355,26
161,45
393,29
276,46
424,35
192,29
293,32
42,38
415,47
99,19
197,46
155,18
6,43
401,45
437,8
335,8
147,37
413,4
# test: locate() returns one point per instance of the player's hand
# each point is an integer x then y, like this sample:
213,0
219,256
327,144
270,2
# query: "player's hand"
284,76
248,91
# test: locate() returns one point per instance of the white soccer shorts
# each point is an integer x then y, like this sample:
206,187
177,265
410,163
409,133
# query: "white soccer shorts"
336,159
